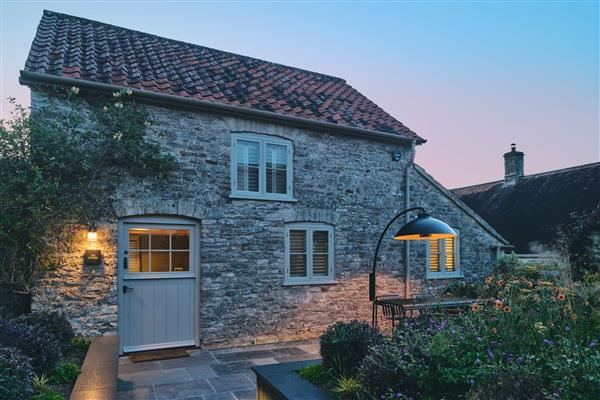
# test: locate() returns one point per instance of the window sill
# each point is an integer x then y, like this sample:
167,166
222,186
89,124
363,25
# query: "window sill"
263,198
307,283
446,276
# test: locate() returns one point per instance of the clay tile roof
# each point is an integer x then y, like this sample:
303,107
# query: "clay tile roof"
530,211
79,48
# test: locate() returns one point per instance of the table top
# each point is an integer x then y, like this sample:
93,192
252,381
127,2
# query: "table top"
426,302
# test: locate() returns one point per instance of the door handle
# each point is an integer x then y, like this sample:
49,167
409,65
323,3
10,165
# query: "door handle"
125,261
126,288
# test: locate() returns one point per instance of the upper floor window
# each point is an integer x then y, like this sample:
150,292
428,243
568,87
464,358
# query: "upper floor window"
261,167
309,253
443,257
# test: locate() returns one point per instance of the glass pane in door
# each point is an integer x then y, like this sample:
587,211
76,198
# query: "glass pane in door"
159,250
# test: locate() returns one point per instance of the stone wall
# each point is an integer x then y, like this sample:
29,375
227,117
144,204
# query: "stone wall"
348,182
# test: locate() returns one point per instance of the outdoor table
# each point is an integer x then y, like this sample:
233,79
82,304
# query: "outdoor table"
397,307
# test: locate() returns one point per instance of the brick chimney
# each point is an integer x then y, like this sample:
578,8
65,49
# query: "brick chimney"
513,165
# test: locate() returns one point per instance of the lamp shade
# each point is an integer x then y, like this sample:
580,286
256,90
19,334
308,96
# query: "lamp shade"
424,227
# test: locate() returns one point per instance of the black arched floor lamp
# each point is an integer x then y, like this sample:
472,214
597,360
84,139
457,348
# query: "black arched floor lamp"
424,227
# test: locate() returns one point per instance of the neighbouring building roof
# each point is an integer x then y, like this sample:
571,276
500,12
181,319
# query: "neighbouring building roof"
79,48
528,211
452,197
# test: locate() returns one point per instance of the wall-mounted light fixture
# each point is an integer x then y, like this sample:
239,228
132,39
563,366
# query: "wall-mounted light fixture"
396,155
92,256
92,235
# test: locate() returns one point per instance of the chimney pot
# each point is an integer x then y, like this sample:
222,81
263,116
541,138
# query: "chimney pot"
513,165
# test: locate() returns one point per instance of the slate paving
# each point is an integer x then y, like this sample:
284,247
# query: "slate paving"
223,374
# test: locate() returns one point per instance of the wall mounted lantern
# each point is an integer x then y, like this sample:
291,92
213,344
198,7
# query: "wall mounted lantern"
424,227
92,256
92,235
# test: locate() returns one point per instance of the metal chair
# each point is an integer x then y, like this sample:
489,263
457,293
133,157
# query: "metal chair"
391,312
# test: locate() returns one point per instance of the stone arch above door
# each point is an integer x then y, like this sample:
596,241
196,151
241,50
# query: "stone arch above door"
139,207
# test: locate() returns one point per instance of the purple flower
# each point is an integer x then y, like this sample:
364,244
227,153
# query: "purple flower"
568,328
490,353
471,382
548,342
478,339
478,361
593,343
519,360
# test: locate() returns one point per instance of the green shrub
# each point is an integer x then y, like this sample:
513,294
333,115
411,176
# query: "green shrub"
51,322
347,387
315,374
48,396
66,372
40,383
15,375
80,345
43,348
344,345
508,264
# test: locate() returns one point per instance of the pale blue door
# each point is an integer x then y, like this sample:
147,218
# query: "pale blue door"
157,285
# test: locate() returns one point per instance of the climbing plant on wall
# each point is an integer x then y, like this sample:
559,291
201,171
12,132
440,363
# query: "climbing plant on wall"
60,167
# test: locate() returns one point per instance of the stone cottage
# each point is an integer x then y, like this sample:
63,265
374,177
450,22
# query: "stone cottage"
285,179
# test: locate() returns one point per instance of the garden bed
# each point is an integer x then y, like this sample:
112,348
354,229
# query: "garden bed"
40,357
532,337
282,382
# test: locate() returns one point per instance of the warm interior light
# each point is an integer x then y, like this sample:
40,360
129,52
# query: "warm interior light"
92,235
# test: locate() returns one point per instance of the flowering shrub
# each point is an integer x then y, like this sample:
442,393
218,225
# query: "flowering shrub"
529,338
15,375
51,322
344,344
43,348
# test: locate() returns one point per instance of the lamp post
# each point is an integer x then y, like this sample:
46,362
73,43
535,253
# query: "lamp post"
424,227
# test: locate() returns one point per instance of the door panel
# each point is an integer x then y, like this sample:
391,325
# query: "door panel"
158,312
158,286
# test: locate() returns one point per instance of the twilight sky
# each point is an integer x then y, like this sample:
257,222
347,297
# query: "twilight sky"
470,77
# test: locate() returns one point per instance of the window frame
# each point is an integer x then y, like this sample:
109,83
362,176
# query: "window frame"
442,273
263,141
310,279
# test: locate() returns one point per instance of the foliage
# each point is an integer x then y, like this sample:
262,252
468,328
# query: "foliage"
576,243
49,395
347,387
52,322
42,348
80,345
344,345
531,338
15,374
59,168
65,372
315,374
508,264
40,383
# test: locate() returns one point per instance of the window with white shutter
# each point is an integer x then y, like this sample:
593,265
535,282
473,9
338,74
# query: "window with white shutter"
443,257
309,253
261,167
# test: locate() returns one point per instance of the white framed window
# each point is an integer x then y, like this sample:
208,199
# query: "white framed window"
443,258
309,253
261,167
